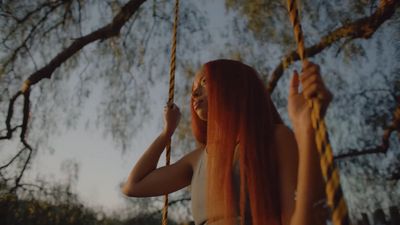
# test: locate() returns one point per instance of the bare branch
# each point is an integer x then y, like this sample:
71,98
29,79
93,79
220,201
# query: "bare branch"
27,38
52,5
30,56
12,159
361,28
54,26
17,181
25,120
80,17
109,30
26,111
10,115
129,28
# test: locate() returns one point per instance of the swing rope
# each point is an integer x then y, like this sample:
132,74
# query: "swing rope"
171,100
330,173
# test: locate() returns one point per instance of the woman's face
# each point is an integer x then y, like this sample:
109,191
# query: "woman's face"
199,96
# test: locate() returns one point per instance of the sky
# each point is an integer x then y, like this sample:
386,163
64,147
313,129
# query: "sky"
102,166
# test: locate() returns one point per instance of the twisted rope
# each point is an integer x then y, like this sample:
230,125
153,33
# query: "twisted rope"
171,100
330,173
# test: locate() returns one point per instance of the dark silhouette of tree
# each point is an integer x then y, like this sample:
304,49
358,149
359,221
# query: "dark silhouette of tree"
57,205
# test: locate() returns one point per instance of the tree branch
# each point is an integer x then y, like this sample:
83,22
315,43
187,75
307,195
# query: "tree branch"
52,8
361,28
109,30
29,37
12,159
51,5
10,114
394,125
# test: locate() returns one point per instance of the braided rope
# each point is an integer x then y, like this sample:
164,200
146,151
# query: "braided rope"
171,100
330,173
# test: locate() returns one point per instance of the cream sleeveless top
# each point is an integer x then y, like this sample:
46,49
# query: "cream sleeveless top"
199,193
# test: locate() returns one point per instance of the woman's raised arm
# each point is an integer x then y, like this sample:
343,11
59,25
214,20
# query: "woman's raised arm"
146,179
310,184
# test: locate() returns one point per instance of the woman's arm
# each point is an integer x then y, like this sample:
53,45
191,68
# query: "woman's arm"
310,185
288,158
145,179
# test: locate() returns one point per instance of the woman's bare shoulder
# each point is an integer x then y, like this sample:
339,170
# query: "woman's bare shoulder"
193,157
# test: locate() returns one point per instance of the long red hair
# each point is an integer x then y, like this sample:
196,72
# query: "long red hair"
240,115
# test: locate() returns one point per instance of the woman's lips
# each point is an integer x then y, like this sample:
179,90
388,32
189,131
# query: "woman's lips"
196,104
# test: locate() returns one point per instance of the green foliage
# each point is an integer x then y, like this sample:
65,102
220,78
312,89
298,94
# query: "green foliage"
60,207
269,20
32,211
266,19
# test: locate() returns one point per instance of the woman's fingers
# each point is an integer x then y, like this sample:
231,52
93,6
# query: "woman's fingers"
309,65
309,69
294,84
313,85
311,81
172,117
310,92
316,90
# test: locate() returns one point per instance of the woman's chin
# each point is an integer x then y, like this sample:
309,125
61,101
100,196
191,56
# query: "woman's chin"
201,114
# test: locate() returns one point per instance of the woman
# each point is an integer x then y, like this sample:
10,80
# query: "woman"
249,166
